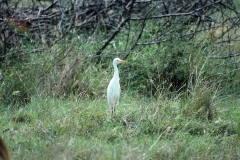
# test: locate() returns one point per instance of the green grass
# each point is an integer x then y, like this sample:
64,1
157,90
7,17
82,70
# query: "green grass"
141,129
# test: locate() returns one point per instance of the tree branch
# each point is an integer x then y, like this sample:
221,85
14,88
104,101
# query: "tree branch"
225,56
115,32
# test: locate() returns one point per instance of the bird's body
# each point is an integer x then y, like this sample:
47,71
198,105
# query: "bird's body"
113,90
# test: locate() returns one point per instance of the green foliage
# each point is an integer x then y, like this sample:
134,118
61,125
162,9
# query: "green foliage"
161,68
137,76
68,69
15,87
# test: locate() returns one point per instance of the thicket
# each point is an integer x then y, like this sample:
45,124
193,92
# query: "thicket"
65,48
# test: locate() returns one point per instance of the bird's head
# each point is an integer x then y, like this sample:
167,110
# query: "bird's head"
117,61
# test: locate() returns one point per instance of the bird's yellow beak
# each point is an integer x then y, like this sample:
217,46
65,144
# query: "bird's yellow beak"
122,60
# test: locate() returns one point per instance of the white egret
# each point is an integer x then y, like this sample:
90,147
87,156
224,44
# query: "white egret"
113,90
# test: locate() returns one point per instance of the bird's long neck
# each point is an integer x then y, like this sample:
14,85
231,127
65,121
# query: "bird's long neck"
116,74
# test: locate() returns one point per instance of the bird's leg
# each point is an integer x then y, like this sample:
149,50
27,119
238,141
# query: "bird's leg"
112,111
113,108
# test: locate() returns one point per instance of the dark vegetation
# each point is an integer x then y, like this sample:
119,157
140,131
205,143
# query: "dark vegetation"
166,39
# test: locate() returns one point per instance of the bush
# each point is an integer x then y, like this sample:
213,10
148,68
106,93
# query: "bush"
161,69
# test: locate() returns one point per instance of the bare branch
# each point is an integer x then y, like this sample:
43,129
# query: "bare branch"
130,4
225,56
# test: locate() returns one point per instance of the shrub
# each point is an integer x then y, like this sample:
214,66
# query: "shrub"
164,68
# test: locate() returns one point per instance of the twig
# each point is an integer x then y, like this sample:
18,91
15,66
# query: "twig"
115,33
225,56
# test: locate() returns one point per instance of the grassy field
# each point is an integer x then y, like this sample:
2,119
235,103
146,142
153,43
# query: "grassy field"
141,129
201,122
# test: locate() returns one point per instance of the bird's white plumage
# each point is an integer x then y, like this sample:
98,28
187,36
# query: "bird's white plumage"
113,90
